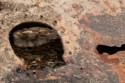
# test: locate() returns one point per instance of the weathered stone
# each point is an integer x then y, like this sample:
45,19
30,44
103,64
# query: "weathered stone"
82,26
34,37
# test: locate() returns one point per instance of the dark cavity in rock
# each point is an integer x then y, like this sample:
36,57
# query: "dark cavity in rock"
38,44
109,49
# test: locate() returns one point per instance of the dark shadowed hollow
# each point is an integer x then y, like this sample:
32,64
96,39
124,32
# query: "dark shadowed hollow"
109,49
37,55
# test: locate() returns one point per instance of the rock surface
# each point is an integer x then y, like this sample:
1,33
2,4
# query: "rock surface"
82,25
34,37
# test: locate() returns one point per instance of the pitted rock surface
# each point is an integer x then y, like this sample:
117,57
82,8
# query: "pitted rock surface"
82,26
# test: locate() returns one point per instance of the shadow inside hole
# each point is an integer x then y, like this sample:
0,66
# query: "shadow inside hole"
48,54
109,49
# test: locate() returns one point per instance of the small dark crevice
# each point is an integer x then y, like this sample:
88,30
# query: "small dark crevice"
109,49
67,42
70,53
1,6
55,22
41,16
81,68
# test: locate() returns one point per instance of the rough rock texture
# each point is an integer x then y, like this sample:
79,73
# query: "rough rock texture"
82,25
34,37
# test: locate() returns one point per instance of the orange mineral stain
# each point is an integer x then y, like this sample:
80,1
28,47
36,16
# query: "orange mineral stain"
86,18
108,5
120,70
104,58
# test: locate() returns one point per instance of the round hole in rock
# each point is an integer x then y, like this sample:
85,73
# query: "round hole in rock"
38,44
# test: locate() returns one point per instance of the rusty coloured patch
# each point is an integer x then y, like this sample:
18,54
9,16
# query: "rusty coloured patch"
101,49
108,5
